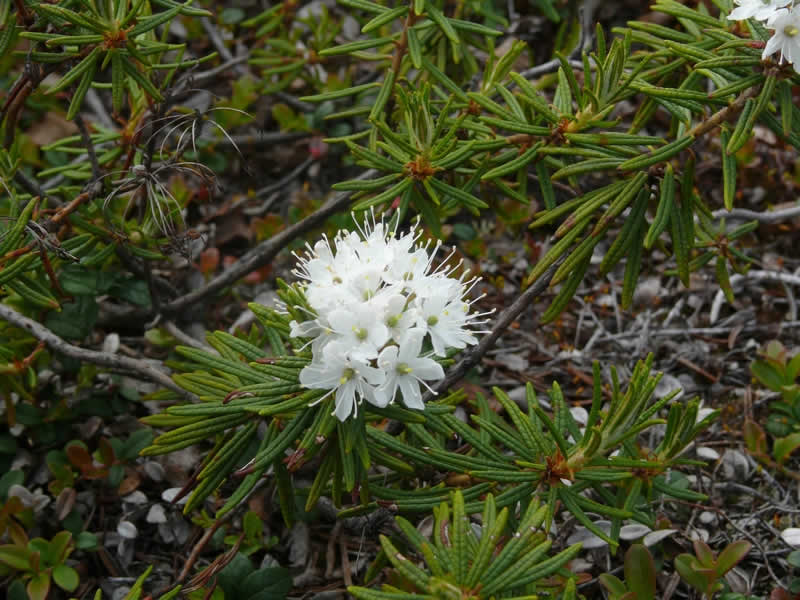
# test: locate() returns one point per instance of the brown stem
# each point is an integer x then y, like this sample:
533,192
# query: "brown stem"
19,366
724,114
24,17
51,274
401,47
13,109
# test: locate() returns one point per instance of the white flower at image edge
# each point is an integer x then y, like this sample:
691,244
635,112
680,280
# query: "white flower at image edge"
405,369
338,371
791,536
762,10
786,38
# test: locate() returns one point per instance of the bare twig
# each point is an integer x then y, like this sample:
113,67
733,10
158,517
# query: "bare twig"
203,76
30,186
103,359
505,319
305,107
186,339
704,331
264,252
548,67
257,140
759,275
731,486
767,217
216,39
283,181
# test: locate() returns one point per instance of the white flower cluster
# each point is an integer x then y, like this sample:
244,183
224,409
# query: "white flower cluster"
375,299
783,17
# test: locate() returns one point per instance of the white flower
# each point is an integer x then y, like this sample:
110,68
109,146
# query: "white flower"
405,369
762,10
397,316
444,319
359,330
408,267
791,536
338,371
786,38
374,301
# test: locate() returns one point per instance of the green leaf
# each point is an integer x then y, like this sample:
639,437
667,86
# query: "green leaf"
513,165
661,154
16,557
785,446
77,71
634,261
786,106
231,15
443,22
728,171
337,94
742,131
76,319
723,278
460,195
234,574
682,225
443,79
86,540
750,114
80,91
66,577
272,583
414,48
135,443
384,18
640,572
60,547
117,80
357,46
383,95
615,587
39,586
767,374
142,80
794,559
132,290
148,23
386,195
8,445
429,215
692,573
80,281
16,591
732,555
754,437
81,20
364,5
